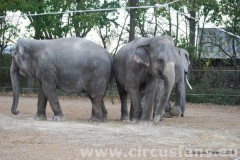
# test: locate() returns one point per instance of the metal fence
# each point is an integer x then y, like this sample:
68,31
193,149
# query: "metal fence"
220,86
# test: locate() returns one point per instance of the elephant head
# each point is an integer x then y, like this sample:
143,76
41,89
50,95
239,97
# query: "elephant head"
157,55
21,65
186,62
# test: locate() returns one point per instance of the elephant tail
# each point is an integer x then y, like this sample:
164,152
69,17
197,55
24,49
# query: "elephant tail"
111,89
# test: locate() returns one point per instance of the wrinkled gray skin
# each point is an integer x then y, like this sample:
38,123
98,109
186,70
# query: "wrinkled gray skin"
181,71
137,67
69,64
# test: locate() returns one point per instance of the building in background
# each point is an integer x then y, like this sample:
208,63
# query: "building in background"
216,44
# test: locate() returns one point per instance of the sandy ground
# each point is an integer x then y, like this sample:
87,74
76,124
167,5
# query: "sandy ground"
206,132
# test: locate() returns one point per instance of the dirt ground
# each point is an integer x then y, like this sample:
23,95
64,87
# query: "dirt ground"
206,132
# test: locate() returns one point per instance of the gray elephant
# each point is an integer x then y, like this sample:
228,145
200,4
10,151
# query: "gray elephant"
69,64
137,67
181,71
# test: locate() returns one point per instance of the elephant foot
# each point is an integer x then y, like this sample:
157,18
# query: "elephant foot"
182,114
167,115
124,118
96,119
135,121
40,117
146,123
157,119
127,121
104,118
58,118
131,118
175,111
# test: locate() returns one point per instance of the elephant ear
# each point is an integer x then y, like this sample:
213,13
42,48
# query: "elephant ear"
22,53
185,58
20,56
20,48
141,52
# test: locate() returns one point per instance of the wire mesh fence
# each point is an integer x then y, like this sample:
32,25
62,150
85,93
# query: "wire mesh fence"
209,86
215,86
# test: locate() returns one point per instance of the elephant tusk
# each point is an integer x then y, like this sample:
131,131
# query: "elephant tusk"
188,84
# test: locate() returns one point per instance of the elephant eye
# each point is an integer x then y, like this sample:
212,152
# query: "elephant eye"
21,57
160,60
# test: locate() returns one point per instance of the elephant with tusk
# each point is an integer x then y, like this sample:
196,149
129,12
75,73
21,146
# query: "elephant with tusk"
181,74
137,67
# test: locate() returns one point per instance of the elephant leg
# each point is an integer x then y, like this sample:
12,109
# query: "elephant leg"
183,107
167,110
180,97
131,112
104,112
158,95
123,98
97,113
42,103
50,92
136,103
159,111
148,102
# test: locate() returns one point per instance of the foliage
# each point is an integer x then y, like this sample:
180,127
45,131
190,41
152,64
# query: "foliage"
227,15
107,22
5,61
222,96
209,86
8,30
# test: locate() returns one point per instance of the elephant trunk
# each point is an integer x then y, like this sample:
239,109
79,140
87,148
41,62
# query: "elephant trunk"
168,79
15,87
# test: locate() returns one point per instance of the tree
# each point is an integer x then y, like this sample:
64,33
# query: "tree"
208,7
192,22
141,19
132,3
44,26
107,23
8,30
152,21
85,21
232,22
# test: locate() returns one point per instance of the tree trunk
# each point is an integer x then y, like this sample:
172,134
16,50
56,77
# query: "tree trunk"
37,20
132,3
201,39
2,30
156,23
192,24
177,28
234,61
75,20
170,22
120,36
